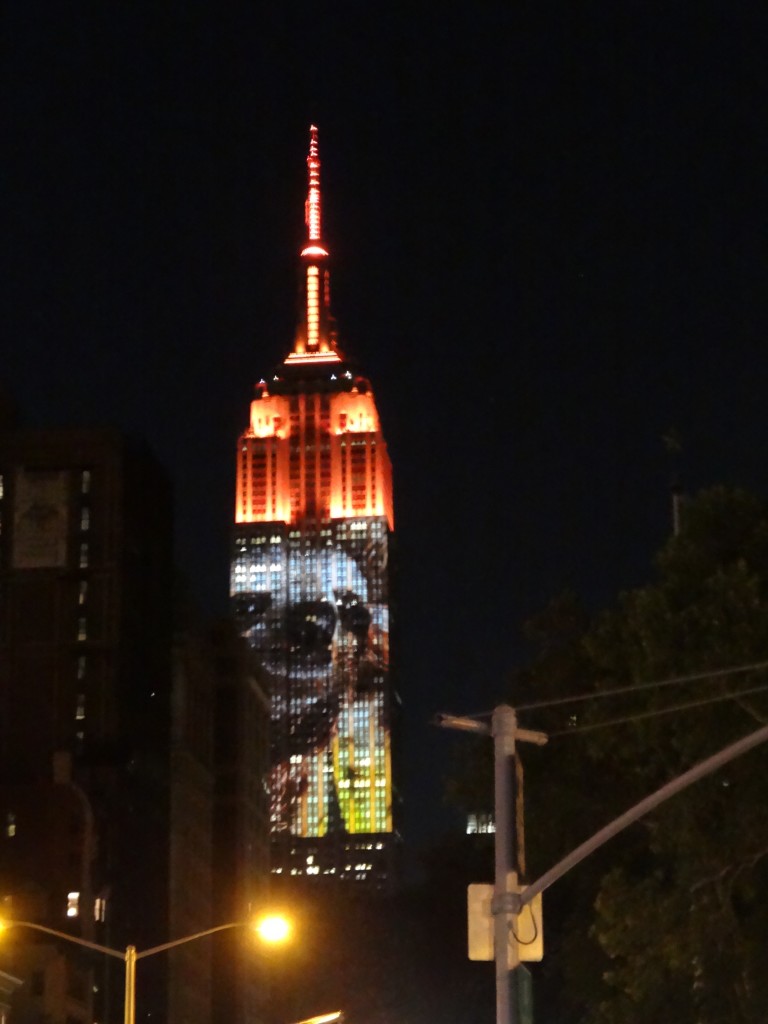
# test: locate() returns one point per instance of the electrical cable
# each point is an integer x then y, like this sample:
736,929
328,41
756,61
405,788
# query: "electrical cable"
526,942
590,726
637,687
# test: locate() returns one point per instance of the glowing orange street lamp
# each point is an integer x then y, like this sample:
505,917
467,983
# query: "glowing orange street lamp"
323,1018
272,928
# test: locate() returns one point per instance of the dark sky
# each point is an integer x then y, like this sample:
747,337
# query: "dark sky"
549,232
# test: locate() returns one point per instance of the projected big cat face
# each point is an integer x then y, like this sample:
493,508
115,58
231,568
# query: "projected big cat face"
316,649
316,622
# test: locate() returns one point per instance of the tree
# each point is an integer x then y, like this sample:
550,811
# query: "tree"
566,800
667,922
682,919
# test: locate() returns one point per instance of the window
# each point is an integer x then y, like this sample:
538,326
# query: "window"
82,592
83,560
73,904
85,519
480,824
85,481
10,824
80,707
82,629
100,908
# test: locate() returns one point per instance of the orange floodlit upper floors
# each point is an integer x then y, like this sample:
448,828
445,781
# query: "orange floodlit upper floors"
313,455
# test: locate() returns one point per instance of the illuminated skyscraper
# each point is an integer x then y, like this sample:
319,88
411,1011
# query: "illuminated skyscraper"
309,586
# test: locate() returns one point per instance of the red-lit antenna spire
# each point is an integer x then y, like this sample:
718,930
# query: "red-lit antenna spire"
312,208
315,336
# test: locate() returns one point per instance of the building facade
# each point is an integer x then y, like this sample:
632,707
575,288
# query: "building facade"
241,824
85,607
310,590
86,790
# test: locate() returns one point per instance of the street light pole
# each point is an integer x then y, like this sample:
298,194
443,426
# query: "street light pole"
129,1006
131,955
503,729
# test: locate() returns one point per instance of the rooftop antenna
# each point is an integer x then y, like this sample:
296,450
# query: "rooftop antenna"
312,206
674,448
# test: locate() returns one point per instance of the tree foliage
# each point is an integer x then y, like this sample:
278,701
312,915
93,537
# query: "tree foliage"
669,921
684,925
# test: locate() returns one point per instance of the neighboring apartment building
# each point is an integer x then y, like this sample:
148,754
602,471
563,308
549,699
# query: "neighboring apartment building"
85,688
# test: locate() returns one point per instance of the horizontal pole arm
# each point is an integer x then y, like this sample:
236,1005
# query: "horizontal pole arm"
464,724
120,954
189,938
698,771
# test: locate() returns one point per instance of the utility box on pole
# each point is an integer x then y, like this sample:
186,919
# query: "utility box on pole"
527,928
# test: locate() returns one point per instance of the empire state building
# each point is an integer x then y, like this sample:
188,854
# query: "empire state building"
309,587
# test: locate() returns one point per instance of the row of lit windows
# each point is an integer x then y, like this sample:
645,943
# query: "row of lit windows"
360,876
241,570
480,824
99,906
72,904
360,783
241,542
82,621
82,594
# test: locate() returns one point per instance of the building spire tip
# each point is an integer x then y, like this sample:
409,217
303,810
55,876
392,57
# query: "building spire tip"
312,208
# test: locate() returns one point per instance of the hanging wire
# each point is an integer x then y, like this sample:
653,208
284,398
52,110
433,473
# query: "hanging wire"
526,942
591,726
637,687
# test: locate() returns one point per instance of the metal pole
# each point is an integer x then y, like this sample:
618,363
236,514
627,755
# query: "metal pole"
503,729
668,790
130,985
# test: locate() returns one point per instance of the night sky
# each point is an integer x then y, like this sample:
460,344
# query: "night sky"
548,225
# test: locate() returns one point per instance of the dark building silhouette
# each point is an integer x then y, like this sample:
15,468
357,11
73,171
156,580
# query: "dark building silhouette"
95,790
46,875
191,765
219,824
240,822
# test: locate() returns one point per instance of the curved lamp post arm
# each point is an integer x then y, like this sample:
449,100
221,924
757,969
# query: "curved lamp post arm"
189,938
67,937
129,957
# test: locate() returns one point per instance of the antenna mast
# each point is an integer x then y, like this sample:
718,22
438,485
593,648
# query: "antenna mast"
312,207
